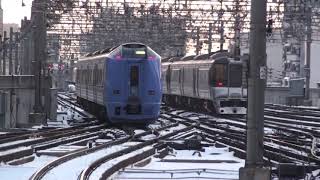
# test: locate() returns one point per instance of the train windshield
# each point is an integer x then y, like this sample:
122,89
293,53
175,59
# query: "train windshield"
220,75
134,51
236,75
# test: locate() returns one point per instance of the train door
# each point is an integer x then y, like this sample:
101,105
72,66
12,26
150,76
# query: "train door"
87,74
181,81
197,81
134,89
95,82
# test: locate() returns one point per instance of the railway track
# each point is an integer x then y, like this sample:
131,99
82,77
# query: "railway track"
278,149
111,150
290,138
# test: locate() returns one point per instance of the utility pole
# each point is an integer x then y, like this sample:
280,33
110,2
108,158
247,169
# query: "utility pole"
221,35
236,50
198,41
4,53
308,54
1,43
10,50
16,54
38,16
254,169
221,30
210,38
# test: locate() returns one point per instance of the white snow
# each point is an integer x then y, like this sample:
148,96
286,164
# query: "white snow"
98,172
158,169
71,169
13,150
17,142
25,171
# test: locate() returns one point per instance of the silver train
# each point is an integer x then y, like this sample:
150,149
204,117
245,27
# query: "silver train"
209,81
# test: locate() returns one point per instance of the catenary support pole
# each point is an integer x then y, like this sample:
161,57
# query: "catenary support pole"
39,38
4,53
10,50
254,169
308,54
210,38
16,53
198,49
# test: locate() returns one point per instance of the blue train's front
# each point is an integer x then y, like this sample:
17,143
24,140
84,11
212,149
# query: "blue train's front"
133,84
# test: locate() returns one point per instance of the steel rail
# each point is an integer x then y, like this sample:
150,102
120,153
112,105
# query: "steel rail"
85,175
45,169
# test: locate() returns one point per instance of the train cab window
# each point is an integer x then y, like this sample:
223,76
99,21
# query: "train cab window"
220,75
235,75
134,51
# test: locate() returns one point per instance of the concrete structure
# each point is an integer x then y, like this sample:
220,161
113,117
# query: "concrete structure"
277,95
315,96
17,102
255,167
26,53
281,95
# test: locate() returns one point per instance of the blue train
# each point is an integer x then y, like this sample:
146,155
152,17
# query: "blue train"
121,84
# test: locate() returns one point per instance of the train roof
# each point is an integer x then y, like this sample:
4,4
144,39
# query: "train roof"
108,51
210,56
218,56
186,58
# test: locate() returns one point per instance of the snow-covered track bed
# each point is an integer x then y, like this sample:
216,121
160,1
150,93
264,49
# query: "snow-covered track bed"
278,149
28,144
68,101
106,151
296,110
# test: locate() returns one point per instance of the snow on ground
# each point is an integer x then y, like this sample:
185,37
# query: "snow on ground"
302,107
97,173
19,141
71,169
25,171
157,169
9,151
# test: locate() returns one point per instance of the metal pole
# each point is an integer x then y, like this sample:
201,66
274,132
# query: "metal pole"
10,51
257,81
39,38
253,169
221,36
308,54
237,31
4,53
1,59
198,41
16,54
210,38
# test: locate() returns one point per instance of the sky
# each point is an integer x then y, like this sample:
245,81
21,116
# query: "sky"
13,11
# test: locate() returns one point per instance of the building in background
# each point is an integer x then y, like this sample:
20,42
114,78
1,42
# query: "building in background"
7,26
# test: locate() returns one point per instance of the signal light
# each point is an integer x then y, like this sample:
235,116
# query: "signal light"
219,84
151,58
118,57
